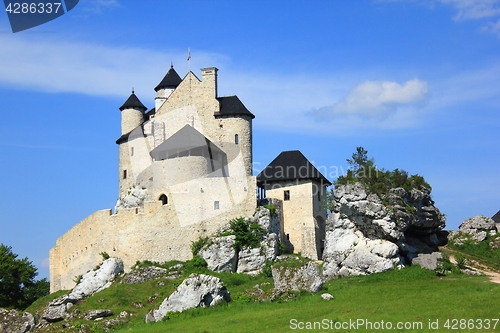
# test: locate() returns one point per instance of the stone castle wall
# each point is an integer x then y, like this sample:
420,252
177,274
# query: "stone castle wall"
153,233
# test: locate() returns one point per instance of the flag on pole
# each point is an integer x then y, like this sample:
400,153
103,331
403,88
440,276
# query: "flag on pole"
189,54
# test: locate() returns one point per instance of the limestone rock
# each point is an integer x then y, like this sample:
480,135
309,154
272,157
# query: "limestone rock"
475,229
326,296
134,198
251,261
95,314
368,235
428,261
220,255
476,223
144,274
54,313
197,290
13,322
97,280
349,252
306,277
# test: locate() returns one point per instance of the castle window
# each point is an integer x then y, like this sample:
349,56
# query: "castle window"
286,195
236,139
216,205
132,151
319,195
164,199
124,174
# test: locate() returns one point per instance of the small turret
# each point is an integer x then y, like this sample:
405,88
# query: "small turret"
166,86
132,113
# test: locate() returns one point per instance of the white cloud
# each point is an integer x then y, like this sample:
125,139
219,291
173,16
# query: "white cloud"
66,66
377,99
474,9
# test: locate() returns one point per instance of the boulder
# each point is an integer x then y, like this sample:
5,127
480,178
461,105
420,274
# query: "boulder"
96,314
12,321
475,229
305,277
98,279
251,261
427,260
220,254
326,296
144,274
197,290
477,223
53,313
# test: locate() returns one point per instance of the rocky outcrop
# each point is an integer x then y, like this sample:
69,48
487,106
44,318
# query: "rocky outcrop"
144,274
197,290
96,314
366,234
293,277
475,229
90,283
97,279
220,254
134,198
12,321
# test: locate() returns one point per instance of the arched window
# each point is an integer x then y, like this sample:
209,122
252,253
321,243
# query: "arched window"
236,139
164,199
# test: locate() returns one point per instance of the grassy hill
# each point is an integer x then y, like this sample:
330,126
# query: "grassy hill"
412,298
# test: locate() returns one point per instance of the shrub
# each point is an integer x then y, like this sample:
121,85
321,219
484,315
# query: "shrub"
271,208
104,255
460,259
377,181
198,262
198,245
247,233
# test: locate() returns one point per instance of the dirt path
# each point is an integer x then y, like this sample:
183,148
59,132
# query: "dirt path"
492,275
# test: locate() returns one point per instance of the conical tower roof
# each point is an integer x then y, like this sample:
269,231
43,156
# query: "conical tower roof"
170,81
133,102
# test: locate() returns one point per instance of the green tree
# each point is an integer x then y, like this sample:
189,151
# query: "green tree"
18,288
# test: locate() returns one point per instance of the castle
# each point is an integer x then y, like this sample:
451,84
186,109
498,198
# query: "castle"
185,171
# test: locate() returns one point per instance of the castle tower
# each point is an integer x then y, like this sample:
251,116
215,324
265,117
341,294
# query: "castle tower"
166,86
132,117
132,113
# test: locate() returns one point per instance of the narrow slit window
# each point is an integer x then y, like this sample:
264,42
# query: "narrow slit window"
124,174
216,205
236,139
286,195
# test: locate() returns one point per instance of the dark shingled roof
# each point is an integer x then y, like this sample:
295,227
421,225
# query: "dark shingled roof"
290,165
232,106
496,217
133,102
149,114
170,81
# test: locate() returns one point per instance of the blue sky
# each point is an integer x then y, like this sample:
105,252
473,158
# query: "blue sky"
416,83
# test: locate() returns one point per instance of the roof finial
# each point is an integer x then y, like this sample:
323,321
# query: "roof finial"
171,64
132,90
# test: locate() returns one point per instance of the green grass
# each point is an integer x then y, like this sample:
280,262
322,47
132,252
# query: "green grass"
487,251
410,295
